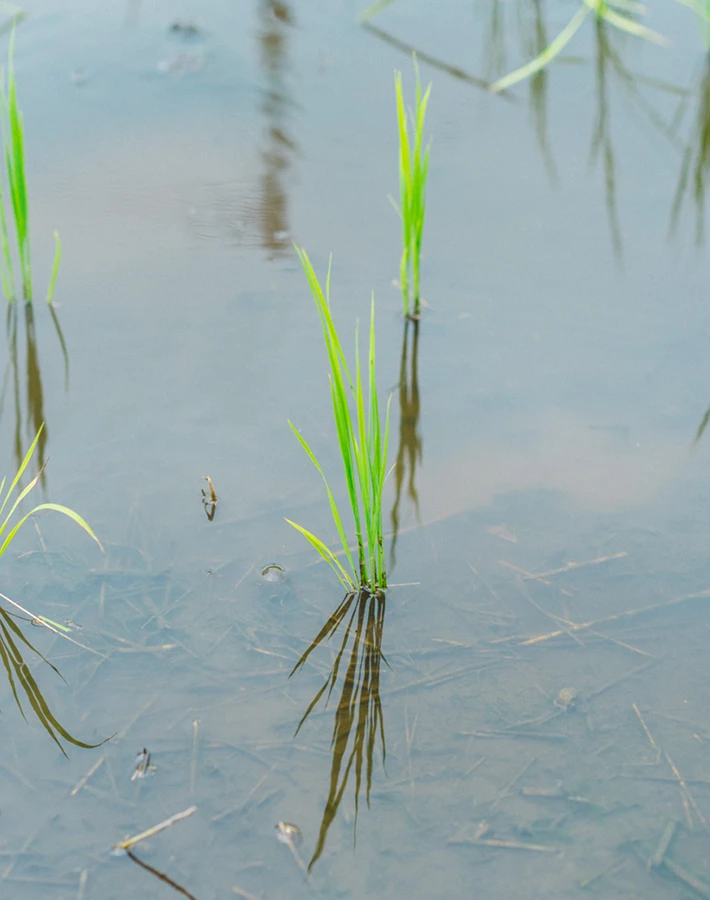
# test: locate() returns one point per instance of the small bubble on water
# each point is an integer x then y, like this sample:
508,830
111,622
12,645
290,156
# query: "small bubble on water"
273,574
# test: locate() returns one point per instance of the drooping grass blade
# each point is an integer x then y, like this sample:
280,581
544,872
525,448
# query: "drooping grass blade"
55,267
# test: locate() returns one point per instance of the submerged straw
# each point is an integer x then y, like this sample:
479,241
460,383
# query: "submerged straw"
161,826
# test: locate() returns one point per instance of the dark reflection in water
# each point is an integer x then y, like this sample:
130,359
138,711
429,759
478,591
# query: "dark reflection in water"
703,425
409,450
538,88
427,58
358,716
276,21
23,379
601,146
255,212
160,875
530,24
22,681
695,162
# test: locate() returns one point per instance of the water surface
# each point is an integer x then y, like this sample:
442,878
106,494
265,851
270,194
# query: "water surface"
544,414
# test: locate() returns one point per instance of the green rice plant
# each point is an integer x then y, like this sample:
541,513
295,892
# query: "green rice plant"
413,172
11,637
362,439
6,525
13,139
618,13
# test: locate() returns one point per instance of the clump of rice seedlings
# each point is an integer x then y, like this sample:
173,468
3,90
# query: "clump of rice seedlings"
618,13
362,439
13,138
413,172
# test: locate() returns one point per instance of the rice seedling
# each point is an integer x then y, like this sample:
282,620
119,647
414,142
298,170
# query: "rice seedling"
413,172
618,13
13,138
14,528
362,440
11,637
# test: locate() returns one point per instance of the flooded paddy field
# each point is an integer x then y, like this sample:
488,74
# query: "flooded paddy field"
525,708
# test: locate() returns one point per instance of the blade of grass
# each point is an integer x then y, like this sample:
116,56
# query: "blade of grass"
547,55
55,267
75,517
623,23
23,466
333,506
327,555
413,173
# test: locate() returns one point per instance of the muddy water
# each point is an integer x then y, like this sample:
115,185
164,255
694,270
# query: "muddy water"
550,499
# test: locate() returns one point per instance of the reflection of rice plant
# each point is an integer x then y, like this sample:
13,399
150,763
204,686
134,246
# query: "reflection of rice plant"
359,718
362,440
409,451
22,681
11,637
413,171
702,9
13,137
619,13
695,161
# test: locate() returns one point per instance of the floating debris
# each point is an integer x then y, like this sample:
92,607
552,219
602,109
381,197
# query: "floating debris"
184,30
288,834
209,498
576,565
274,574
659,855
119,848
502,532
144,767
182,64
566,699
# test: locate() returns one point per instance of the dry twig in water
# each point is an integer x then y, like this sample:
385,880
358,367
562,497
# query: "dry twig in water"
161,826
576,565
